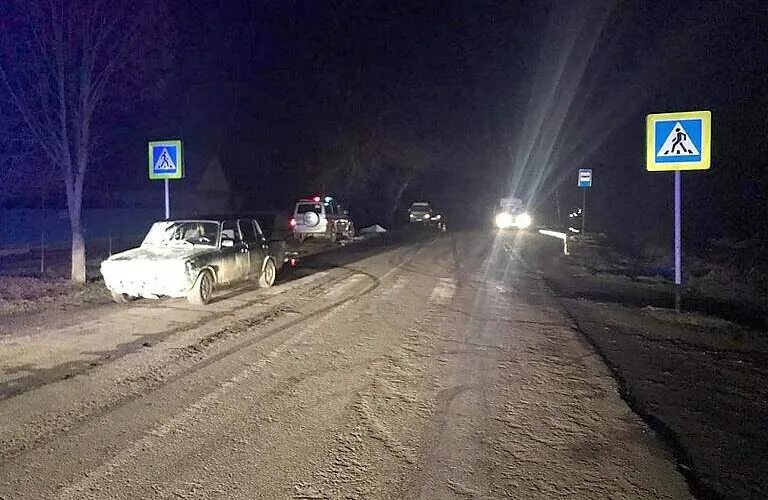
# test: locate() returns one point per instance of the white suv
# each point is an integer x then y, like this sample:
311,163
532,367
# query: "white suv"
323,217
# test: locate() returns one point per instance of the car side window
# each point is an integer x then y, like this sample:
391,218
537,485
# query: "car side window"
247,230
257,227
229,231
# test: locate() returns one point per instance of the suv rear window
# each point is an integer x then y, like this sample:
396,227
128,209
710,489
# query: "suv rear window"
303,208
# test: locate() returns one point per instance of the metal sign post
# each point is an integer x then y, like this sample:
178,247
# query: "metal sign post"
167,199
678,228
677,142
584,182
166,163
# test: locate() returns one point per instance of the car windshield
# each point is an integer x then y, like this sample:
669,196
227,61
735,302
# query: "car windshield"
303,208
420,207
172,233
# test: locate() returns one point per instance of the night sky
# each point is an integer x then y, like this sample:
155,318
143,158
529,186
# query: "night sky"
505,96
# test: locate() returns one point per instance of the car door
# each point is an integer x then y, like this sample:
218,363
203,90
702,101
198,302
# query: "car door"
343,218
235,258
256,245
329,207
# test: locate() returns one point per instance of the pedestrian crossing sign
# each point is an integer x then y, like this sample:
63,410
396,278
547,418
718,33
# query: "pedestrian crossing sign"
165,160
678,141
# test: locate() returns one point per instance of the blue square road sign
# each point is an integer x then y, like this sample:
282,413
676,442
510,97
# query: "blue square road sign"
678,141
165,160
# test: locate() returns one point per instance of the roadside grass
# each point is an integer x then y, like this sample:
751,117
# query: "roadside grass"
27,294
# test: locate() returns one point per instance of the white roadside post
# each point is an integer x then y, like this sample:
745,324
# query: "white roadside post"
559,236
166,163
677,142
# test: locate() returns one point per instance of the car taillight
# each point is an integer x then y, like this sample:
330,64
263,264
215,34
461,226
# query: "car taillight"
292,223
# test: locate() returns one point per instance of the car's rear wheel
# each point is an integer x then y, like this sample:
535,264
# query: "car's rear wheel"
202,291
122,298
268,274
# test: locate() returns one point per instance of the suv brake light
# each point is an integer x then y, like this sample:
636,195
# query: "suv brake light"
292,223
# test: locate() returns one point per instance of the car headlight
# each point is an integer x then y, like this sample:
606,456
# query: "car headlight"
523,221
503,220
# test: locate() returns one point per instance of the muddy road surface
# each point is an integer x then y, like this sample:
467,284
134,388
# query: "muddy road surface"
437,368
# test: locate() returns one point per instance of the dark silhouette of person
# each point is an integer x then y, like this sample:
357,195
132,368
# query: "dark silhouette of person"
680,136
165,164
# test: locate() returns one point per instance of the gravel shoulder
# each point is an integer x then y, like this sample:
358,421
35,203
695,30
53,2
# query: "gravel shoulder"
698,379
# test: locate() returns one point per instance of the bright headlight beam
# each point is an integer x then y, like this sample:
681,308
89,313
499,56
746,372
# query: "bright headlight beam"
504,220
523,221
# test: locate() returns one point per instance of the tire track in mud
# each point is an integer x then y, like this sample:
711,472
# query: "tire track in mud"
184,362
41,377
175,365
385,418
198,409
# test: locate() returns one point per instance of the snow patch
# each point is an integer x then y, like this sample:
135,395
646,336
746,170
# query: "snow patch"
373,229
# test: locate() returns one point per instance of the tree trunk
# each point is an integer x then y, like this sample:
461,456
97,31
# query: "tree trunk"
396,202
78,249
74,184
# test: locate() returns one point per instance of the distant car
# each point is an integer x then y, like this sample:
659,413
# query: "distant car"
321,217
512,215
192,257
420,212
439,222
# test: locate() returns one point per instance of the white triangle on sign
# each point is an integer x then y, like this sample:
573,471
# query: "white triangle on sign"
678,143
164,161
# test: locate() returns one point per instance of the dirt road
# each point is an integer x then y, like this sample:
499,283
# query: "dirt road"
439,368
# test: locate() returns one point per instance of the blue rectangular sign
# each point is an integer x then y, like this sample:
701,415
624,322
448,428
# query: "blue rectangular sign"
585,177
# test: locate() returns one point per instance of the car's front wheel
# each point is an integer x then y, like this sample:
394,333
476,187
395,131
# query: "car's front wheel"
202,291
268,274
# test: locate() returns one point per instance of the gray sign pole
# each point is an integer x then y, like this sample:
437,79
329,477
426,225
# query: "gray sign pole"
678,238
167,200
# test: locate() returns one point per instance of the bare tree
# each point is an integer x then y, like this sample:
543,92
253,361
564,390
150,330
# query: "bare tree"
59,62
368,159
408,159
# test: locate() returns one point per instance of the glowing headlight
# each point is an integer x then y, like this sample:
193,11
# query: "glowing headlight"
503,220
523,221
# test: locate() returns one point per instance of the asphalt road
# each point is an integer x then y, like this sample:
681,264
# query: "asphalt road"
432,368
